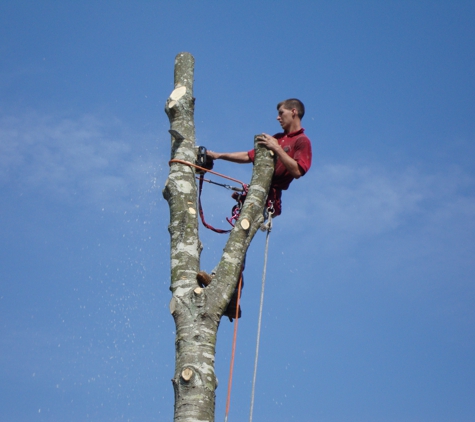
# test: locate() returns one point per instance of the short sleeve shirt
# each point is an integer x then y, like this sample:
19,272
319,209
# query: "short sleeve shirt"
297,146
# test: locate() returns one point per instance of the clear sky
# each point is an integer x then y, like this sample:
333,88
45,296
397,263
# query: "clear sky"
369,308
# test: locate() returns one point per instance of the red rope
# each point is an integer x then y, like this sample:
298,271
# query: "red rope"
202,215
206,170
231,368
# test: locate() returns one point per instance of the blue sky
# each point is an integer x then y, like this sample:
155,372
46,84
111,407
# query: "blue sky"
369,307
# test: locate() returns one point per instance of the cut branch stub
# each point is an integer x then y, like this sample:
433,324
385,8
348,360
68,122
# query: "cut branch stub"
245,224
186,374
176,94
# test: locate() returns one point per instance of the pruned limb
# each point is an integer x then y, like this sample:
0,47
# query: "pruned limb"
251,218
180,188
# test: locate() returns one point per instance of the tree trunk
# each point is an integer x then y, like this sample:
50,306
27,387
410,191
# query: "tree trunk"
197,311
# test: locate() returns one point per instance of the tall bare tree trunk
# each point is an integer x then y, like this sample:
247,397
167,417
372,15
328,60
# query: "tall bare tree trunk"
197,311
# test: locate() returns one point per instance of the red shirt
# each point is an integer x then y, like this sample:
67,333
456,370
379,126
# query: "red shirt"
297,146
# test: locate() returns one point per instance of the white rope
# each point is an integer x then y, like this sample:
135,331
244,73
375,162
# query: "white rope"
267,227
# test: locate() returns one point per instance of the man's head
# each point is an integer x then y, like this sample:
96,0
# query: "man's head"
293,103
290,113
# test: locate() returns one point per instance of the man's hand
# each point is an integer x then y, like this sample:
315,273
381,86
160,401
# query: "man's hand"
211,154
269,142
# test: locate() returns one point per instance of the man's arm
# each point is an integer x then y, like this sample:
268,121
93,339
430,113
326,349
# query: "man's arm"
235,157
290,164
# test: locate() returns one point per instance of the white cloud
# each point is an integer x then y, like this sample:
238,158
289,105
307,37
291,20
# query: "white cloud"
365,200
90,160
349,202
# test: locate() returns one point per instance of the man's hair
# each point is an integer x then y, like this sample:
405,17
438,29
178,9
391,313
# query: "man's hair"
293,103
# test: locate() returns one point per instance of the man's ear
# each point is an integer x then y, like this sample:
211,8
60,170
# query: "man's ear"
294,112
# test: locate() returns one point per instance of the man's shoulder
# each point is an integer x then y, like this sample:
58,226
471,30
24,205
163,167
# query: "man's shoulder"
302,138
302,135
302,141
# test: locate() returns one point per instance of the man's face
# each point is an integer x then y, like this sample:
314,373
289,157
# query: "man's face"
285,117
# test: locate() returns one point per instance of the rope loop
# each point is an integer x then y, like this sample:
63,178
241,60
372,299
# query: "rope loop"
268,213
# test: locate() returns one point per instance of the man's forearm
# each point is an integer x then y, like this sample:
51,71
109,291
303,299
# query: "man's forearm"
235,157
290,164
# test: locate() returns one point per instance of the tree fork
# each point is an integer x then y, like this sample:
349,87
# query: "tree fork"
197,311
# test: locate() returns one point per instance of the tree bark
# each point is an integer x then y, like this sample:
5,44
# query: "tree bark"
197,311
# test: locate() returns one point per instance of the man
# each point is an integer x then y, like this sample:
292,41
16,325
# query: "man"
294,158
292,149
